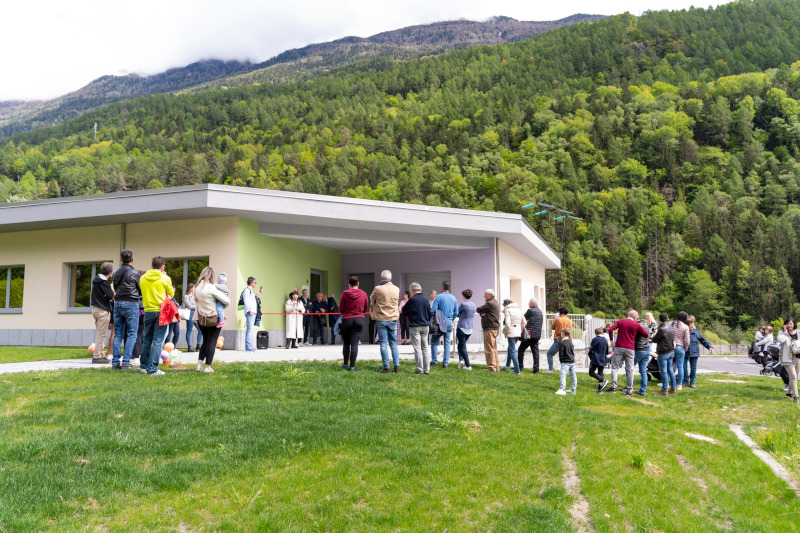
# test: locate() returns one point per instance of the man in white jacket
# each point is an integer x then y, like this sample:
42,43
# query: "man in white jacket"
249,299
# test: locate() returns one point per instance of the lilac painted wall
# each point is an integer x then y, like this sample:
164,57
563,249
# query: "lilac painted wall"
469,269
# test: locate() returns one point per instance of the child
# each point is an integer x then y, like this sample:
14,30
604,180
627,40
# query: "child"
222,279
566,355
598,358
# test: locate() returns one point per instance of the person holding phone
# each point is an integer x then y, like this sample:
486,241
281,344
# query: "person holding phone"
250,309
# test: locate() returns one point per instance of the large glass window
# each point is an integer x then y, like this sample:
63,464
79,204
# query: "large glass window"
80,284
12,281
184,271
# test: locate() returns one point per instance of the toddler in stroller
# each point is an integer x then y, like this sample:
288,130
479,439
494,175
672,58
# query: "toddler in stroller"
773,366
654,372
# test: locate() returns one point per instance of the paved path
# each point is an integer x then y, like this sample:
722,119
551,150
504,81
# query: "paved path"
370,352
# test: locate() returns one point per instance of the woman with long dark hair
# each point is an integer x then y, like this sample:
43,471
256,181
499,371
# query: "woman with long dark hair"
680,326
352,304
790,361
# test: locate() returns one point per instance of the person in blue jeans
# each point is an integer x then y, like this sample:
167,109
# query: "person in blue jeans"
664,339
384,304
566,356
682,342
641,356
695,340
126,310
466,314
446,303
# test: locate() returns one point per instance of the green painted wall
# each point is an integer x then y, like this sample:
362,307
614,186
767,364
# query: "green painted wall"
280,265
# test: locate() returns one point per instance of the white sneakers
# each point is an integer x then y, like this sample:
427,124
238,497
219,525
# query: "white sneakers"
679,387
461,365
199,367
157,373
467,368
561,392
209,370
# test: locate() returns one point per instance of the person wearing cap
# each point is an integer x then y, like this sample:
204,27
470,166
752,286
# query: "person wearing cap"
352,305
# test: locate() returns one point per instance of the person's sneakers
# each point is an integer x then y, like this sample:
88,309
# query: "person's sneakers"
157,373
549,372
627,392
199,367
796,399
789,395
603,385
640,393
467,368
570,392
418,372
397,370
517,373
189,349
353,369
434,363
534,372
662,392
680,387
208,370
598,388
143,370
561,392
101,361
345,366
461,365
444,367
197,348
116,367
692,386
221,323
673,391
786,387
385,371
612,389
506,368
126,366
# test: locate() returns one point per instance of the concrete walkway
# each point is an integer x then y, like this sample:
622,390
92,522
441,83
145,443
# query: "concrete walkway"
368,352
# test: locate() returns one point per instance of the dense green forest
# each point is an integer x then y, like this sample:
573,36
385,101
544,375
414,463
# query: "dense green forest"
674,135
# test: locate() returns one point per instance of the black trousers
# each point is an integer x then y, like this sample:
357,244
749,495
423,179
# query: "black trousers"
596,372
209,346
404,334
533,344
350,331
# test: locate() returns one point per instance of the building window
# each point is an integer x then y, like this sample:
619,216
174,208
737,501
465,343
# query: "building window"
184,271
12,281
80,284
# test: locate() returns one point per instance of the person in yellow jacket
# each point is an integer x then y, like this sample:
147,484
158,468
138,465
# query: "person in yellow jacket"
156,287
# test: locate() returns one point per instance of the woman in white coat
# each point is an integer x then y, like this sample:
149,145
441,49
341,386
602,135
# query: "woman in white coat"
512,329
294,310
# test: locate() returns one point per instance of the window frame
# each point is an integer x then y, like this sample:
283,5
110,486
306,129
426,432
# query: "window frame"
185,273
6,308
88,308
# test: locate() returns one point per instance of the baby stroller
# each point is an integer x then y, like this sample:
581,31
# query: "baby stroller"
773,366
654,372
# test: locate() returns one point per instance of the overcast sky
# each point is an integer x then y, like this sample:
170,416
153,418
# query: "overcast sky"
52,47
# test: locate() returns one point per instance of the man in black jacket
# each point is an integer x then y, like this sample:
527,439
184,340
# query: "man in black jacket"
126,310
664,338
102,297
533,326
418,311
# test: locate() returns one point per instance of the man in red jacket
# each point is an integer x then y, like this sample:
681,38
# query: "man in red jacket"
624,346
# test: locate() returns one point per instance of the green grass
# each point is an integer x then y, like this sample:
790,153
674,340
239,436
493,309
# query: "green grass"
14,354
309,447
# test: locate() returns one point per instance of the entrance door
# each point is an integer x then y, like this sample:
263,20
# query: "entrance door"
366,282
315,285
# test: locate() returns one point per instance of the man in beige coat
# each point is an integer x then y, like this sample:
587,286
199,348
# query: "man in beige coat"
384,306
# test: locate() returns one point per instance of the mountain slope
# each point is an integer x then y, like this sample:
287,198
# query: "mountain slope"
399,45
301,63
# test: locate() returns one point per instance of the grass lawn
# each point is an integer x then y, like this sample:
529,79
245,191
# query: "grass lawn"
309,447
15,354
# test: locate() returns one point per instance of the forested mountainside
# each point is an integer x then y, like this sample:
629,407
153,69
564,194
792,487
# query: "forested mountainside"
405,43
674,135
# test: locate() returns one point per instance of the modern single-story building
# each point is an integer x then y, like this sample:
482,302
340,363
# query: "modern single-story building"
51,249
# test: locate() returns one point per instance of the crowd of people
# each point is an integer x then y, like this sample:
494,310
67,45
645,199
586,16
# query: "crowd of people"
134,306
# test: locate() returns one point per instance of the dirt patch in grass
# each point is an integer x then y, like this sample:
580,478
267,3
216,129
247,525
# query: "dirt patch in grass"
689,469
579,510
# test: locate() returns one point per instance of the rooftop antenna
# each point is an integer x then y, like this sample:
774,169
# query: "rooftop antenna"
95,131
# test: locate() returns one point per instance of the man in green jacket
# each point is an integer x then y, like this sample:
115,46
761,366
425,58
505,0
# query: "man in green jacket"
156,287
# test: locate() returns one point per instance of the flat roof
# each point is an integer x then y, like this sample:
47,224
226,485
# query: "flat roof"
349,225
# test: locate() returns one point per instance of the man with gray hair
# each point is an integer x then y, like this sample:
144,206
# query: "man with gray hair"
384,304
490,323
418,311
533,325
